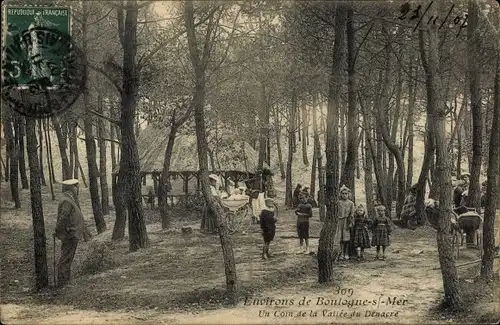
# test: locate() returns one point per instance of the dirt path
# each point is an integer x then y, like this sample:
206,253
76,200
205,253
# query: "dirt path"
179,279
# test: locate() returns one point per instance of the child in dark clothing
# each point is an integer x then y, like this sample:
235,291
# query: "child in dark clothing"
268,226
361,236
303,212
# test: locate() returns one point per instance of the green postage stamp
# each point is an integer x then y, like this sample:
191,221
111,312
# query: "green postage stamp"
33,48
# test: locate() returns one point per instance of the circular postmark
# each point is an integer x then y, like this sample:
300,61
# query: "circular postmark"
43,71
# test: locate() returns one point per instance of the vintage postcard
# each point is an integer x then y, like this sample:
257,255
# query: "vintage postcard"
250,162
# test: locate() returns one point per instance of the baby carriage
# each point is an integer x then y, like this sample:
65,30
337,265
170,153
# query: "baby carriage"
237,214
470,222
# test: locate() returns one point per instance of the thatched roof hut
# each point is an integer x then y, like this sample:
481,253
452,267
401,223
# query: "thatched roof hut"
231,157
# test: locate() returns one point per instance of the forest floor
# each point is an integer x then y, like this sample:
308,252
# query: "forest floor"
180,278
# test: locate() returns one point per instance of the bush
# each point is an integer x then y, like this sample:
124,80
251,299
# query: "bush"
97,258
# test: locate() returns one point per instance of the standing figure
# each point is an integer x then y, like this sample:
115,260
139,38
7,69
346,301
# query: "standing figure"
70,229
381,231
409,212
345,221
458,192
257,202
296,194
268,226
483,194
209,220
361,236
304,213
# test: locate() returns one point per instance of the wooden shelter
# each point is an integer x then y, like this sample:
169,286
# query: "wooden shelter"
236,160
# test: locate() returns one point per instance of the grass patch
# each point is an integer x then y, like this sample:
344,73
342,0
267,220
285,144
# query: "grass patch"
480,301
98,258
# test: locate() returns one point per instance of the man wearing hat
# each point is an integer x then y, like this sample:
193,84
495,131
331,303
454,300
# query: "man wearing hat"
70,229
458,192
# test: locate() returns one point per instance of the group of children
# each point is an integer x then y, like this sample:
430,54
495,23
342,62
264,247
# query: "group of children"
353,227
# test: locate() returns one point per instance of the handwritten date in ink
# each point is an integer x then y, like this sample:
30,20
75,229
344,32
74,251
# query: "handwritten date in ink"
420,15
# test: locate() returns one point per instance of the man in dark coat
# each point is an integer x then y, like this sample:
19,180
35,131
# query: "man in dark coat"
458,192
70,229
296,194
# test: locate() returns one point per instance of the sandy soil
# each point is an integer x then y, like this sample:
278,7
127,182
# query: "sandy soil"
180,278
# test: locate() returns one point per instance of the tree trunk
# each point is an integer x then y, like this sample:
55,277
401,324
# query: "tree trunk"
492,190
314,168
49,163
305,126
327,248
40,136
358,162
380,104
268,146
80,169
351,158
380,153
212,167
103,177
298,123
412,94
289,162
429,149
277,126
12,149
396,192
62,139
459,120
22,161
376,158
113,150
342,126
264,132
7,158
72,146
322,122
317,162
442,182
119,137
14,162
41,270
2,165
459,154
199,65
129,161
51,159
474,74
294,134
467,139
137,126
90,145
118,193
312,182
164,178
162,187
370,205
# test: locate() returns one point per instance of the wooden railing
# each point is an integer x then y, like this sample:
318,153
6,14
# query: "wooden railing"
193,200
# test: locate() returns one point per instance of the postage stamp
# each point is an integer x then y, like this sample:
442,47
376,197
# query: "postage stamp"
43,71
